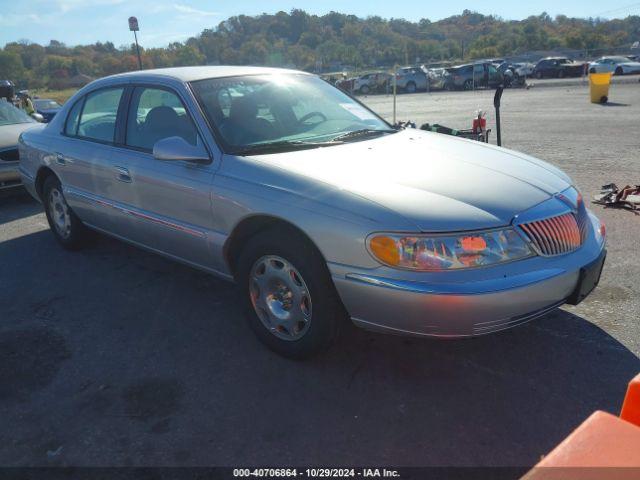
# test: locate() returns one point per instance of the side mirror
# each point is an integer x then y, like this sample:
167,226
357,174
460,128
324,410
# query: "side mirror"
37,117
172,149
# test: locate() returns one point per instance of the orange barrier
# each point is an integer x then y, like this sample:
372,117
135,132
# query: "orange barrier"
631,406
603,447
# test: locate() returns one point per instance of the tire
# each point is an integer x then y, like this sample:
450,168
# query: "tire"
411,87
619,71
365,90
539,75
467,85
66,227
560,73
275,267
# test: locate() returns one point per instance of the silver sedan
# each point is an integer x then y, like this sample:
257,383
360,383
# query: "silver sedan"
314,205
13,122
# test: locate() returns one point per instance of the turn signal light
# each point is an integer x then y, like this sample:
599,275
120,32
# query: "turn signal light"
385,249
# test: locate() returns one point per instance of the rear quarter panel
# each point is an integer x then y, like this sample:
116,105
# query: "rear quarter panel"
33,147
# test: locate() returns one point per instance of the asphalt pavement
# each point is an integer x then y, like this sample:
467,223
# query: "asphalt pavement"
114,356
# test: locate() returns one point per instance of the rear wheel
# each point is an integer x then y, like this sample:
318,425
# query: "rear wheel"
64,223
290,301
467,85
560,73
539,75
365,89
411,87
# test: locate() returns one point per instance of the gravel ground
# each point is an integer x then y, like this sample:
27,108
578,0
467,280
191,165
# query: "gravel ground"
114,356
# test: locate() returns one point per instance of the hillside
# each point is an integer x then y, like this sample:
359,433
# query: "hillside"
314,42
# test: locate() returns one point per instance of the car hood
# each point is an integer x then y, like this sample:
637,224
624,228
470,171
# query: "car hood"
9,133
438,182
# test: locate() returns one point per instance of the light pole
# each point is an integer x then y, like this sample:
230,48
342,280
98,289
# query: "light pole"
133,26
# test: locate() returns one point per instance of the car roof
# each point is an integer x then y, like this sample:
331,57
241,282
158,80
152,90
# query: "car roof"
190,74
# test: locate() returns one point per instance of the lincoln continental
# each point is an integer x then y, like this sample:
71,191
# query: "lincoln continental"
316,207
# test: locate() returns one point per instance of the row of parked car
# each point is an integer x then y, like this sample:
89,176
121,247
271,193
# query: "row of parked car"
484,74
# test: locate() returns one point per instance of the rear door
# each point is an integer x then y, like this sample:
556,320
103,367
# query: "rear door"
168,202
83,152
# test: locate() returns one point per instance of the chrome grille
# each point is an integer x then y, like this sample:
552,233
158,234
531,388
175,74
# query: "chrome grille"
555,235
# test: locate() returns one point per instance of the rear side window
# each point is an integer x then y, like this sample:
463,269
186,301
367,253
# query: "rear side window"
155,114
71,127
98,118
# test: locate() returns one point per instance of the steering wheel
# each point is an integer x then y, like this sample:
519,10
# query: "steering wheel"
322,116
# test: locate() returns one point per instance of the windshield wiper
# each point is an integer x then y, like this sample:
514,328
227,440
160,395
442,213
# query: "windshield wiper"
281,146
365,132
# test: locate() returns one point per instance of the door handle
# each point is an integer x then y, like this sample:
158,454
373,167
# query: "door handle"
123,174
60,159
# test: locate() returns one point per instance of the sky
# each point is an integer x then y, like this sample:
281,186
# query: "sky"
77,22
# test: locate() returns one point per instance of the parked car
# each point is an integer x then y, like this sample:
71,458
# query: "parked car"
558,67
372,82
524,69
346,84
437,78
47,108
615,65
411,79
314,205
473,75
13,122
520,70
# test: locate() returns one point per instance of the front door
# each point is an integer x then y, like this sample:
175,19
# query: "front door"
168,202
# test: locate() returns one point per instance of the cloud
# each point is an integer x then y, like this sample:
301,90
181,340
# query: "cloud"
187,10
68,5
18,19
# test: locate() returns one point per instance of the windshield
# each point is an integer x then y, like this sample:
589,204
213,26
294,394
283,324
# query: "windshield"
10,115
46,104
268,109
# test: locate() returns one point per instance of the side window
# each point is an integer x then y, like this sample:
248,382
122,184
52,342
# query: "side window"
478,69
155,114
71,127
98,120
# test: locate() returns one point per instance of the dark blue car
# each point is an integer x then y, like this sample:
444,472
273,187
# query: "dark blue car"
47,108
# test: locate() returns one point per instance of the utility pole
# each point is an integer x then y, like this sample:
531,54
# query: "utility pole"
133,26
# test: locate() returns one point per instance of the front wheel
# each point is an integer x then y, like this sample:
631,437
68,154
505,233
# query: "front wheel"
618,71
63,222
411,87
289,298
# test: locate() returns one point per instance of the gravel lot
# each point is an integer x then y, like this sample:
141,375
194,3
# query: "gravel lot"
113,356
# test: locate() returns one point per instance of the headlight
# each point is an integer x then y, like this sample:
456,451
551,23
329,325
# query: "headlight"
448,251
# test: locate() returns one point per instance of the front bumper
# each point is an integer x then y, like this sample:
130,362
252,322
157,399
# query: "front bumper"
461,304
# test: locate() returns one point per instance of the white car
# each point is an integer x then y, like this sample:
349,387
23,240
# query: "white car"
616,65
524,69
